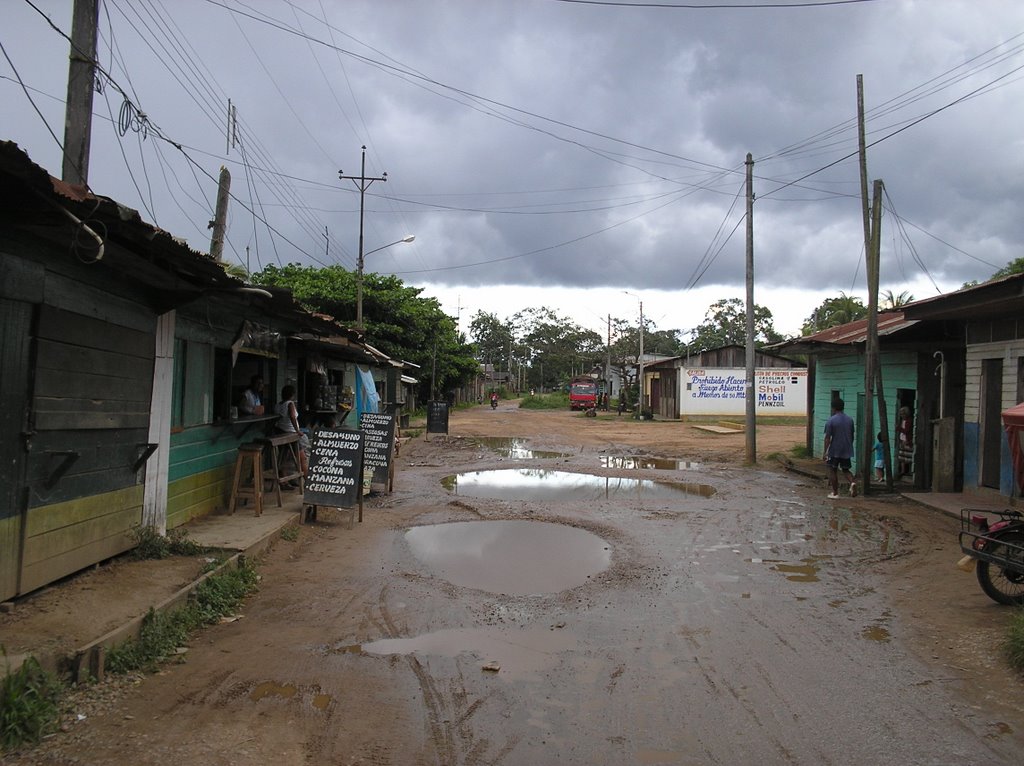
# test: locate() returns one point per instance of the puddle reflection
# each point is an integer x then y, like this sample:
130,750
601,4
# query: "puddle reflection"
629,462
552,486
515,448
516,558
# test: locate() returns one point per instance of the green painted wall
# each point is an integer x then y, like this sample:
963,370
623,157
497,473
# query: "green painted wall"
845,374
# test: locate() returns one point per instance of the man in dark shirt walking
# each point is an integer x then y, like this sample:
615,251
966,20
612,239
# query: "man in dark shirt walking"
839,448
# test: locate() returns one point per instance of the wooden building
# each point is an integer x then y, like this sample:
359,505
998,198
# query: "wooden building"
712,383
123,352
982,378
909,355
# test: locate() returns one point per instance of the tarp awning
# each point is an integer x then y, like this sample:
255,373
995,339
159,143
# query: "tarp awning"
1013,422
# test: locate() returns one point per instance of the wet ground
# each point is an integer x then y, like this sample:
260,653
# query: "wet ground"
575,591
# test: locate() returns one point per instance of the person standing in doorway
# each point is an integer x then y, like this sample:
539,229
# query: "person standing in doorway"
839,448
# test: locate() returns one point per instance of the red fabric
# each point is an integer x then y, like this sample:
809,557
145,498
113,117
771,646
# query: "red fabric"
1013,421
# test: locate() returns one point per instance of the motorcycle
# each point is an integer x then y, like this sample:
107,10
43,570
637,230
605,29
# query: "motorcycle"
494,404
994,549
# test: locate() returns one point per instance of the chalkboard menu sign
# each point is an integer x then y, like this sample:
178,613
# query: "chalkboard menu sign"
379,439
335,469
437,417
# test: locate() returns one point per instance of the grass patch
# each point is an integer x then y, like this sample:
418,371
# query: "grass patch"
29,704
150,544
1015,641
290,534
800,451
557,400
163,632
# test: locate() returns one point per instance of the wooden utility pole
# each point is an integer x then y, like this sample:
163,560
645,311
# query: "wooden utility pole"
81,85
220,216
751,394
864,444
872,365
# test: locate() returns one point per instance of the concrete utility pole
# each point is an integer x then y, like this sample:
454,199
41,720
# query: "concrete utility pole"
362,183
751,394
220,216
81,85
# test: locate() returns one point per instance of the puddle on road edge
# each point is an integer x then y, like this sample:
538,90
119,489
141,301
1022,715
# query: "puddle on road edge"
512,557
543,485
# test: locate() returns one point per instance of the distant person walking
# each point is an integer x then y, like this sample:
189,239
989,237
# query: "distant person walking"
839,448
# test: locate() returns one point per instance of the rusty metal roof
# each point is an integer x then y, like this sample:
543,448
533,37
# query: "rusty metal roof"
855,333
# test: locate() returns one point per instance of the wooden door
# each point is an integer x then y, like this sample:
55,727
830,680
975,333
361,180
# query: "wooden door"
991,422
15,354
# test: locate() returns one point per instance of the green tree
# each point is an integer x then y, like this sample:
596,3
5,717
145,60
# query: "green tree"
892,301
833,312
1015,266
554,346
725,323
493,339
398,319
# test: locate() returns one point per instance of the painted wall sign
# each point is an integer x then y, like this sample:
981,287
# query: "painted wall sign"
722,391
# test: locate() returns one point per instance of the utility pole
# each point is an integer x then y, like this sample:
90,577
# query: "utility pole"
81,85
220,216
362,183
872,367
608,361
750,395
640,372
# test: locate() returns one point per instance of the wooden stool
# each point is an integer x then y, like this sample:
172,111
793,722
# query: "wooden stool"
283,446
248,481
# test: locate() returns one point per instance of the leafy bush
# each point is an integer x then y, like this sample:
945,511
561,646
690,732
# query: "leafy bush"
1014,646
163,632
29,704
557,400
150,544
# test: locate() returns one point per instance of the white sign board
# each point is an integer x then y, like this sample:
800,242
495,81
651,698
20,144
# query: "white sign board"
722,391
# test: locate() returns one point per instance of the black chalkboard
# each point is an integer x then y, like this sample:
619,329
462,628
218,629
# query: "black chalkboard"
378,443
437,417
335,474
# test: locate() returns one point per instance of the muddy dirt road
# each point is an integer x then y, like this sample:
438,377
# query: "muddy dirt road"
558,602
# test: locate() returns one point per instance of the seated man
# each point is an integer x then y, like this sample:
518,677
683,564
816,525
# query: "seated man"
252,398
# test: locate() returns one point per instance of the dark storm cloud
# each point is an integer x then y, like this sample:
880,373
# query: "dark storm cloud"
497,124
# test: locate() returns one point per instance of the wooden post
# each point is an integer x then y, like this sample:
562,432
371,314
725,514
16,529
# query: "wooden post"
81,84
220,217
751,402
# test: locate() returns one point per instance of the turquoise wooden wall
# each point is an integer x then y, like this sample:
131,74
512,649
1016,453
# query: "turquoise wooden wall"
845,374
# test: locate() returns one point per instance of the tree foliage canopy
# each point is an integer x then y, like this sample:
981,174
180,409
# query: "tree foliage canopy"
725,323
833,312
398,320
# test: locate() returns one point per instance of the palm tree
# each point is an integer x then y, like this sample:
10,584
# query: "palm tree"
891,301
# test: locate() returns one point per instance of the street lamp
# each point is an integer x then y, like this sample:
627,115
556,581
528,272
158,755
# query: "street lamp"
640,359
359,274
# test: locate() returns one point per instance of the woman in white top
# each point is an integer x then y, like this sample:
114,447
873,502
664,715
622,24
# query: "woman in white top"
288,423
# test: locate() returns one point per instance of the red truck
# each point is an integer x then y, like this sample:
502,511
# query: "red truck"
582,393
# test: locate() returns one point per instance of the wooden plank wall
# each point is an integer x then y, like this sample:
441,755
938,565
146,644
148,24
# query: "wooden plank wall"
93,380
201,469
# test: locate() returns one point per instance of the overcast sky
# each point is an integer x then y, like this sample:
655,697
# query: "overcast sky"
549,153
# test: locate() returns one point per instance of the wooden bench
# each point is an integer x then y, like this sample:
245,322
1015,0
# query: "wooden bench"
283,447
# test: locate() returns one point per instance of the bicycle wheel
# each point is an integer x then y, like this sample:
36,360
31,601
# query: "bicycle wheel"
1004,584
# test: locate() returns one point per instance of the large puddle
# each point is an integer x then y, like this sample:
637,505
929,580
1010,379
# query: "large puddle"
516,558
515,448
554,486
